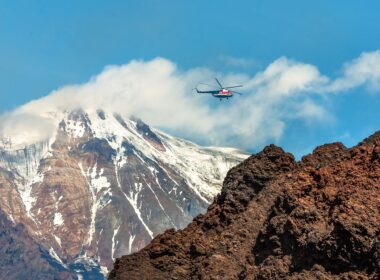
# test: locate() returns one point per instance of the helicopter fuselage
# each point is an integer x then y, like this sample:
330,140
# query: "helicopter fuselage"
223,93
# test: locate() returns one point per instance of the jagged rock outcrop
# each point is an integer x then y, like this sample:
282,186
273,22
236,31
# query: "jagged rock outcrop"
279,219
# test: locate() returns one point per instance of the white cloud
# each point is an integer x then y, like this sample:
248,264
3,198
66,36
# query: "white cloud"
285,78
362,71
27,128
159,93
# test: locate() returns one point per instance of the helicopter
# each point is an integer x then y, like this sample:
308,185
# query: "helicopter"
223,92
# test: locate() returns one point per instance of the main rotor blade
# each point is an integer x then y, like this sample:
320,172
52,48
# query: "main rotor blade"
234,86
219,83
207,84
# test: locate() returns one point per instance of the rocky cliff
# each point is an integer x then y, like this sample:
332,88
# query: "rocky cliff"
279,219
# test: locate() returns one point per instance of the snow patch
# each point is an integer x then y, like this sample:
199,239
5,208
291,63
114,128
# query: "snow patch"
114,244
75,129
130,242
25,192
100,189
56,257
58,220
58,240
104,270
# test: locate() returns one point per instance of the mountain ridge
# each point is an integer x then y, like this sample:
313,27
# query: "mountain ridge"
276,218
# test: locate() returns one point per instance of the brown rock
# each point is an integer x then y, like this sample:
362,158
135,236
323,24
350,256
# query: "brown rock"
278,219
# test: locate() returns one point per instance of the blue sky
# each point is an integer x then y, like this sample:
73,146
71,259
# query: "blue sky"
48,44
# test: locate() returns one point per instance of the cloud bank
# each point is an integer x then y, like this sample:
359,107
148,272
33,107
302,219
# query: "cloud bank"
161,94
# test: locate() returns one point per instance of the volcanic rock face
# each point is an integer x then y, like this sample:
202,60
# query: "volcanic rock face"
279,219
103,187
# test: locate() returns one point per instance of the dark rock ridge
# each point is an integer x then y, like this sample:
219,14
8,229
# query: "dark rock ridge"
279,219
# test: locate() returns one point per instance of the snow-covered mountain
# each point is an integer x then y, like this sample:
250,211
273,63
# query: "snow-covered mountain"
103,186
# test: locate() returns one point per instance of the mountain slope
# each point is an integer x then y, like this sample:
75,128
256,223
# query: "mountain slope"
279,219
21,255
104,186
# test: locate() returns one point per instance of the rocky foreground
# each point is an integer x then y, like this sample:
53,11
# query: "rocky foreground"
279,219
